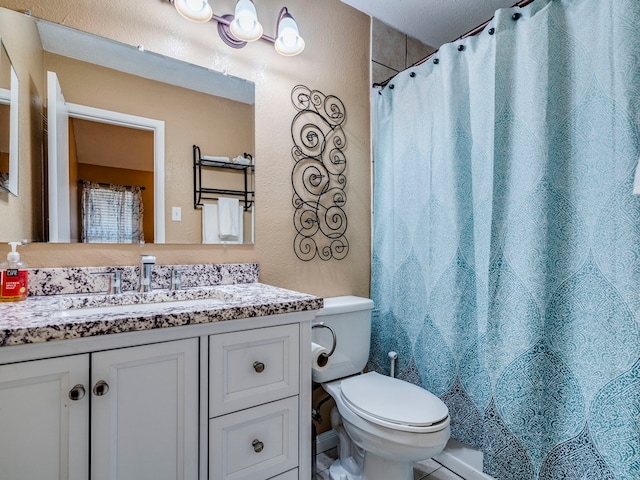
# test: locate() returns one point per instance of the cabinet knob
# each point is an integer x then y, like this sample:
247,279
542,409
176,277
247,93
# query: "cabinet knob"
258,446
77,392
258,367
100,388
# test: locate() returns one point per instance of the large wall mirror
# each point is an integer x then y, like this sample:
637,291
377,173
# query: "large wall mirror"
121,124
9,92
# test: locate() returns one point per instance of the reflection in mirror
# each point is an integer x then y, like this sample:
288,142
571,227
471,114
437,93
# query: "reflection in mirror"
113,169
195,106
8,124
118,147
192,104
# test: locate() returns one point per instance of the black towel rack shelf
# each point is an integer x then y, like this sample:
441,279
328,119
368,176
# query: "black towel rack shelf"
200,193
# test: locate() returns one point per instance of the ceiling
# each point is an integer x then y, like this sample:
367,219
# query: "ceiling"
433,22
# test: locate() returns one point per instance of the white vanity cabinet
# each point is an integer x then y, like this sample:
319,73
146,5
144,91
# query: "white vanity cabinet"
139,406
228,400
254,403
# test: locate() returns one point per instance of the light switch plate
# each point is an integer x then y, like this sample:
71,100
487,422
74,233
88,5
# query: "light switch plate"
176,214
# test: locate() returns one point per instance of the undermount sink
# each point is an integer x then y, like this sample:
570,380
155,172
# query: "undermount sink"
139,307
93,304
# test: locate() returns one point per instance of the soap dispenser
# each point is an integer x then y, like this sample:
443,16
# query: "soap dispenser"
13,277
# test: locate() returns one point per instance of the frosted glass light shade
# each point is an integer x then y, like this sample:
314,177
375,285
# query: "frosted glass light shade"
245,25
289,41
194,10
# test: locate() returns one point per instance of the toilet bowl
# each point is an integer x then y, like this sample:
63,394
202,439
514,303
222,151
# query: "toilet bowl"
392,422
383,424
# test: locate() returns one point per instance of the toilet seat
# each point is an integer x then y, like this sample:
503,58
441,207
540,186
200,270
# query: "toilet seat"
393,403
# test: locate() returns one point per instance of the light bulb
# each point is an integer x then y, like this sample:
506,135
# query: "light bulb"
194,10
289,37
245,25
289,41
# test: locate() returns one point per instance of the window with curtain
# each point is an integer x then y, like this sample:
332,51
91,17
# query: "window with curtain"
111,213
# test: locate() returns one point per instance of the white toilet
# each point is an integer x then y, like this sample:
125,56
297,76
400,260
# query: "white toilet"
384,424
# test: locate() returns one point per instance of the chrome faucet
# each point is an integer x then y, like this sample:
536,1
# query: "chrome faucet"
146,263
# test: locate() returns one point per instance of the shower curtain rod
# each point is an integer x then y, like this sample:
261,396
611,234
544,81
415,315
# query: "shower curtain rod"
103,184
470,33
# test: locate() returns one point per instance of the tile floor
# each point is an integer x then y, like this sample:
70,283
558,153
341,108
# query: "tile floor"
427,470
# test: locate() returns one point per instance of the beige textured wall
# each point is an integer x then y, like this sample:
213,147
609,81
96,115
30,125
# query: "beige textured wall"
336,61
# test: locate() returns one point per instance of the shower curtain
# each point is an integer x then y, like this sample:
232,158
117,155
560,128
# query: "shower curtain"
506,247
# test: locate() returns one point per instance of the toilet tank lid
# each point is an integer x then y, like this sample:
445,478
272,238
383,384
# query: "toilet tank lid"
344,304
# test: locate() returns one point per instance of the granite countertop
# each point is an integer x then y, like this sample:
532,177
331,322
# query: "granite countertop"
59,317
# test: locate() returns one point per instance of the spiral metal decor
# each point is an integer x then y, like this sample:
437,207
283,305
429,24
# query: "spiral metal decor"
318,175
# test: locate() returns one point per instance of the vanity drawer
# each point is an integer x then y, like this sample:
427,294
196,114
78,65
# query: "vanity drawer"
252,367
254,444
290,475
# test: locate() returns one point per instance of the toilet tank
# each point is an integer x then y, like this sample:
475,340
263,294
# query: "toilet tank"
350,318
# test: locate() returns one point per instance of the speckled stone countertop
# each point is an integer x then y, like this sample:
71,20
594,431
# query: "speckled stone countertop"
57,317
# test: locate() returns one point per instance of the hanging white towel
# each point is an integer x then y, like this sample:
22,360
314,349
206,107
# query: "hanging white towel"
210,224
636,180
228,218
210,231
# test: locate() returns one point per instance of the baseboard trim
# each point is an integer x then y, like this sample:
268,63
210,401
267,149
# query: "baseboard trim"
462,460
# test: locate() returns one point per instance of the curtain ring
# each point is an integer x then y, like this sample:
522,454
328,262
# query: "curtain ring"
492,31
436,61
460,48
412,74
392,86
516,16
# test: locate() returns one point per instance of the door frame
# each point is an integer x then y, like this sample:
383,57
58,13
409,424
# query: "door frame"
120,119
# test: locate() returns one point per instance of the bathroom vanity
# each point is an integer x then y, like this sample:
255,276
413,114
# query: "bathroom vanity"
202,383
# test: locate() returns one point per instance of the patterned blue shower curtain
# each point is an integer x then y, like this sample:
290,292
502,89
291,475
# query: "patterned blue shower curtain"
506,249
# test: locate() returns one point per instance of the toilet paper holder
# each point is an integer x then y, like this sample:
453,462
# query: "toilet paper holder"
333,334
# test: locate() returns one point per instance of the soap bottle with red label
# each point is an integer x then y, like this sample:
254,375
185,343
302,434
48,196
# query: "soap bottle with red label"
13,277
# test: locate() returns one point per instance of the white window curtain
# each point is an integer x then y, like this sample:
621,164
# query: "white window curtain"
111,214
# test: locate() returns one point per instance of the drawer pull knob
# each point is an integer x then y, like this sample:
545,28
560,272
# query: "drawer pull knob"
258,367
100,388
258,446
77,392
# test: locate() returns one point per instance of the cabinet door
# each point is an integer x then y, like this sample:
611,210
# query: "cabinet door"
144,417
44,427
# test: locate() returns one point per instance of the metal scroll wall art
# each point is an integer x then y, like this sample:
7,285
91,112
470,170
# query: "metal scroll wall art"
318,176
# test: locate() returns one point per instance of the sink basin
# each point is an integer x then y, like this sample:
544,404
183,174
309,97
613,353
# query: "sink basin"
93,304
139,307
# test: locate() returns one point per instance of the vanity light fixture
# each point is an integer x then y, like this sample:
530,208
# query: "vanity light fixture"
243,26
194,10
288,40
